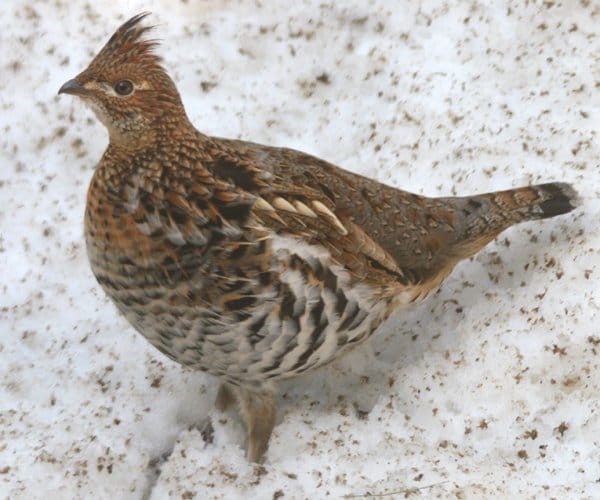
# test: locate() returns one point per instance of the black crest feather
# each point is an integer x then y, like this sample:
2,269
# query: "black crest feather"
129,32
129,44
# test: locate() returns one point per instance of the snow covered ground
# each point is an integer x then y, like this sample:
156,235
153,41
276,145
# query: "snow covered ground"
490,389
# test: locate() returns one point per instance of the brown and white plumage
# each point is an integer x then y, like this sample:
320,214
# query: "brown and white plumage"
255,263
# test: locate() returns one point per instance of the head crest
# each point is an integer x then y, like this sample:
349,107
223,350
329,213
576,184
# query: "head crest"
128,44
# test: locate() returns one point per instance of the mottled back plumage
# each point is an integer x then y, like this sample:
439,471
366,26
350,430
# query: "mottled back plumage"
255,263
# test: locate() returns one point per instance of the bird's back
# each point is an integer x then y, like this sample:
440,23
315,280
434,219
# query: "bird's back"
394,237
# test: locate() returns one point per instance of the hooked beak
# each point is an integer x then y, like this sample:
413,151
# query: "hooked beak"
73,88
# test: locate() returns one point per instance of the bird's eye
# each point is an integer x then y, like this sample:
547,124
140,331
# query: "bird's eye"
124,87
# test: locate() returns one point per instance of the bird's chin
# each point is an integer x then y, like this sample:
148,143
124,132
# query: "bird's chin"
99,111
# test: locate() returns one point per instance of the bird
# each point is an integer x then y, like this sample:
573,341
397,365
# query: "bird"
253,263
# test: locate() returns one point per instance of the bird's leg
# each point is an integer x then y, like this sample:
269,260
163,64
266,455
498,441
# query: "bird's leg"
258,411
225,397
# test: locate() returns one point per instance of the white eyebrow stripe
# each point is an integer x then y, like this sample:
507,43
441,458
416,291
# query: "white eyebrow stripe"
107,88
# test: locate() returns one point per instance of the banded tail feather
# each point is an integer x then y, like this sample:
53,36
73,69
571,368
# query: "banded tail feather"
487,215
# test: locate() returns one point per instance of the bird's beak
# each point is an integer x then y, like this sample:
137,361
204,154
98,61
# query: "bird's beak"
73,88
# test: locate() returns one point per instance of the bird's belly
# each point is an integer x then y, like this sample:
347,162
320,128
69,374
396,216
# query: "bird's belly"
157,287
318,314
245,329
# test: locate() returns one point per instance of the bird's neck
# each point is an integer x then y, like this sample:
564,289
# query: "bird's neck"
165,147
166,131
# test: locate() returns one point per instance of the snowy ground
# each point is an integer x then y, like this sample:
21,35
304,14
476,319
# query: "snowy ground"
490,389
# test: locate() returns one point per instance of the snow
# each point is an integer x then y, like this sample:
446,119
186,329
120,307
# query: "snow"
489,389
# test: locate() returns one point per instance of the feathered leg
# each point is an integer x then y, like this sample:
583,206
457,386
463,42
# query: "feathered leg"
258,411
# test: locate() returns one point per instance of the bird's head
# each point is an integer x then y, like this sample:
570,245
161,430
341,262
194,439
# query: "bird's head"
127,87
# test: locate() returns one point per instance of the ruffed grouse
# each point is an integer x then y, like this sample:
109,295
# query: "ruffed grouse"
255,263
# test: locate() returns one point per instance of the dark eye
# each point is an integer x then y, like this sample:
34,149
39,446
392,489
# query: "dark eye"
124,87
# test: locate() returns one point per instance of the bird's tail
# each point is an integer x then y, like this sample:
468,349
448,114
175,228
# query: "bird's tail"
487,215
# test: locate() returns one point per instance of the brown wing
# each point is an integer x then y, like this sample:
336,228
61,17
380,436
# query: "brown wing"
375,230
